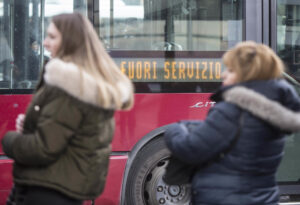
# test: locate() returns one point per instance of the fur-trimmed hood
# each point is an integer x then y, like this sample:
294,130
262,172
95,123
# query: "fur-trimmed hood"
264,108
68,77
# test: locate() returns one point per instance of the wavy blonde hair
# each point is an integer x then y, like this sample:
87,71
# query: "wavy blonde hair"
82,46
253,61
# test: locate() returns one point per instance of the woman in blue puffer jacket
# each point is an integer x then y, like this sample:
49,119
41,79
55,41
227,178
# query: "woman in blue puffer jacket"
254,89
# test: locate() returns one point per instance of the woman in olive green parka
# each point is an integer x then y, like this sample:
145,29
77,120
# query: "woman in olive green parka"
62,146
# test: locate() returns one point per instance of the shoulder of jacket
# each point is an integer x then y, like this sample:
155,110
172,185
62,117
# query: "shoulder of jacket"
226,107
62,98
262,107
78,83
70,79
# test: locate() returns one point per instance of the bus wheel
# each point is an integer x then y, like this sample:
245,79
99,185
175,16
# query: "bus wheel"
144,183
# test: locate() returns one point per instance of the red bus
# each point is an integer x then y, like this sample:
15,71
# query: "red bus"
171,50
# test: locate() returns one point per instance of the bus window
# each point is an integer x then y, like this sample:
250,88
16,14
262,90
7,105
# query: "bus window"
6,56
54,7
288,48
170,25
288,35
22,29
170,46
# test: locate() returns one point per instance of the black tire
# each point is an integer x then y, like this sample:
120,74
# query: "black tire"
144,183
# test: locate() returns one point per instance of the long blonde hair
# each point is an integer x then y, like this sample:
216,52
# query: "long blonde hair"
253,61
81,46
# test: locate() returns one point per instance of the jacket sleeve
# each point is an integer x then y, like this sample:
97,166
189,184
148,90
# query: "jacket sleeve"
56,125
201,143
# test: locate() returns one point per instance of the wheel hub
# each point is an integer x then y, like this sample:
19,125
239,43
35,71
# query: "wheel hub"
158,192
174,190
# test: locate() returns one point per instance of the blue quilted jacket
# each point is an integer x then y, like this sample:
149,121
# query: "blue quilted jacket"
245,175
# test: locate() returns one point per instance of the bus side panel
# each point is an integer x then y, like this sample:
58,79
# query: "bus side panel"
112,191
10,107
5,179
152,111
110,196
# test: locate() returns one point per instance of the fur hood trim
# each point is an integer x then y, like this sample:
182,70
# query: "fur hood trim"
264,108
67,77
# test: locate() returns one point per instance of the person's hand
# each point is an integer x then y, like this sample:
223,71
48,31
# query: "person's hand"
20,123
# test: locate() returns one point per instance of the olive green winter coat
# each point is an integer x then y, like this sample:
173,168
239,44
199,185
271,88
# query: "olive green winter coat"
66,140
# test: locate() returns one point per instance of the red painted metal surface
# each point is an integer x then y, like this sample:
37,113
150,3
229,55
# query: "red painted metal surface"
10,107
150,111
112,191
5,179
110,196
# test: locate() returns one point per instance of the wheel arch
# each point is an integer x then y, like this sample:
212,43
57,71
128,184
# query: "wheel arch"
134,152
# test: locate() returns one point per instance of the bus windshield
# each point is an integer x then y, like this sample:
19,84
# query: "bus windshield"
177,25
169,46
